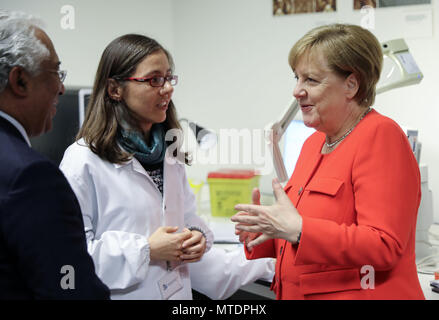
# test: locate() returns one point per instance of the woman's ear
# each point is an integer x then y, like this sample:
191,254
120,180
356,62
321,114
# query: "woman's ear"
352,85
114,90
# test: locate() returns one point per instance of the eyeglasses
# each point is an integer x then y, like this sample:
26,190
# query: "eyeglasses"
62,74
156,81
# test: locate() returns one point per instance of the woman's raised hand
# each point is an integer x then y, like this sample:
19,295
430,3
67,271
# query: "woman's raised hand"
281,220
245,236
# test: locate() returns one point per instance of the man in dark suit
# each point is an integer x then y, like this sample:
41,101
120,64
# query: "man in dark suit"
43,252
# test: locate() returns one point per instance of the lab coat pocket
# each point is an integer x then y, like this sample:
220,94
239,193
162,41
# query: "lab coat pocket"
330,282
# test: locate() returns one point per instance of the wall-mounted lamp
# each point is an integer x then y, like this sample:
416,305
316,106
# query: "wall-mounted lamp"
399,67
206,139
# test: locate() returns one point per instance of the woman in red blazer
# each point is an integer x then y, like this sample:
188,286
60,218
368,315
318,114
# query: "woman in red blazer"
344,226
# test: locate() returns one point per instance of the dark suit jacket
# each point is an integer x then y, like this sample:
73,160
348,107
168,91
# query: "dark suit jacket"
41,228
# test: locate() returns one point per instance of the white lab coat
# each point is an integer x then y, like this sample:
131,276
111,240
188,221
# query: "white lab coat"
220,273
121,208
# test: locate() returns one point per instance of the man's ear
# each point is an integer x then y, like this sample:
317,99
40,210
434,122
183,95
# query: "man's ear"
352,85
19,81
114,90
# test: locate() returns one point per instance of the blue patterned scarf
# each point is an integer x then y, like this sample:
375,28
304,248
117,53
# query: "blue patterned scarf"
134,142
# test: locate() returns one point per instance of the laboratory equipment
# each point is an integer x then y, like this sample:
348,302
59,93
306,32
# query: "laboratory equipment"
424,221
206,139
83,98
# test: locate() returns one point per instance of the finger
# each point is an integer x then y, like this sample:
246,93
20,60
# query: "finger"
186,234
246,237
279,192
198,247
250,220
192,256
254,228
169,229
195,238
262,238
237,215
249,209
256,196
192,260
189,243
175,257
240,213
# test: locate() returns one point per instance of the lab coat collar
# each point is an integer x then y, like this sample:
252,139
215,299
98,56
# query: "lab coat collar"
118,165
133,164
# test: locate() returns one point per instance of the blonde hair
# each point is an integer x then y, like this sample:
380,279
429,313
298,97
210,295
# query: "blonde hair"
347,49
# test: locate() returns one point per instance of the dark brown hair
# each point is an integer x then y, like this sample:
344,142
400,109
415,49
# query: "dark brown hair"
104,115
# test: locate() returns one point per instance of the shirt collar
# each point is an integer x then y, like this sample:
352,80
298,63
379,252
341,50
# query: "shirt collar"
17,125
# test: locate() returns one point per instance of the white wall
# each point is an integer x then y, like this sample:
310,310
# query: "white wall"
231,56
97,23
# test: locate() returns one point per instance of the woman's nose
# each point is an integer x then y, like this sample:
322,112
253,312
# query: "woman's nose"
167,88
299,91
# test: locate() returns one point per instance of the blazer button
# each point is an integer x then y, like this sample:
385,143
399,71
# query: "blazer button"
300,191
280,252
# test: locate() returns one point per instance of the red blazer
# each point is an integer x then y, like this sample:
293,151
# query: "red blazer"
359,205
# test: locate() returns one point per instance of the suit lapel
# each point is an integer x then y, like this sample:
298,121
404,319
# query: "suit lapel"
10,129
306,167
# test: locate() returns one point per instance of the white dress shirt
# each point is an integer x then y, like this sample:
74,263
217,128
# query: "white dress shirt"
17,125
121,208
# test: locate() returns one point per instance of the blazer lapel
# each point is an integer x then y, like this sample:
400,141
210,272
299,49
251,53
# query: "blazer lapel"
305,171
9,128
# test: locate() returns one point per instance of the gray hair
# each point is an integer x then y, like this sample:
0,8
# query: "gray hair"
18,44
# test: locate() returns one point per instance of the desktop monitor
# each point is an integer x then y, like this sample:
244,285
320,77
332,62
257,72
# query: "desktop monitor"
65,126
294,137
83,100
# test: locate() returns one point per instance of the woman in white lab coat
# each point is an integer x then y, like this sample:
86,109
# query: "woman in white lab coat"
139,212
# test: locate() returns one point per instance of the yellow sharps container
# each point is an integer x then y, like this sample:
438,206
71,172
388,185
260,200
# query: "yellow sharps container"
228,187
